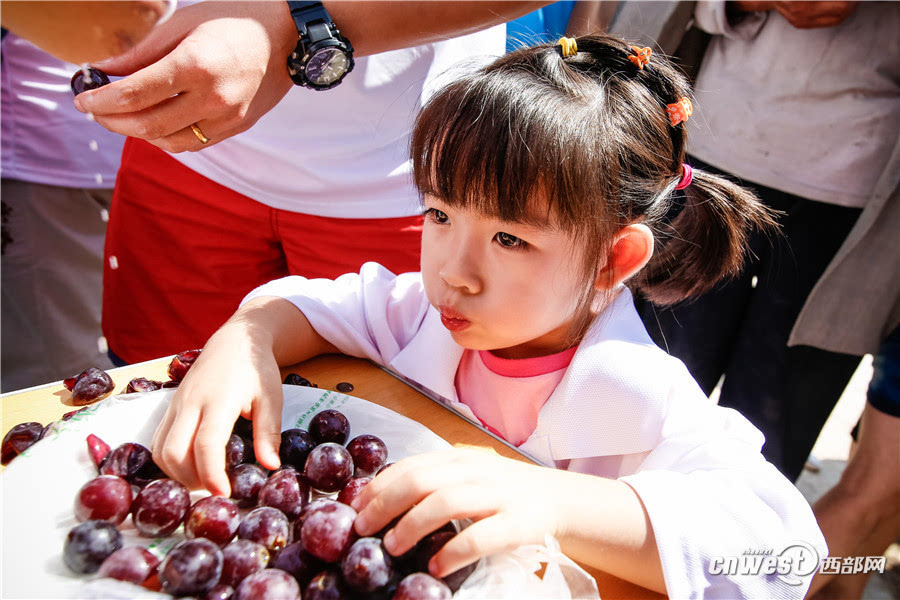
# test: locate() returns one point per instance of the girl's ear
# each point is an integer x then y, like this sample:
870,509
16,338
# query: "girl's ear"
631,250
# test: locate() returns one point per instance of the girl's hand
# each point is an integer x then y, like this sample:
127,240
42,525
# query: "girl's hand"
236,374
511,502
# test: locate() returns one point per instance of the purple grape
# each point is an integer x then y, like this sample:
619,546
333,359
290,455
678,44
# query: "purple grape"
350,491
422,586
236,452
294,379
296,444
270,583
18,439
214,518
133,463
104,498
246,481
244,428
133,564
367,565
93,384
88,544
329,426
369,454
329,467
294,559
327,585
421,554
327,530
79,83
243,558
220,591
142,384
267,526
191,568
160,508
285,490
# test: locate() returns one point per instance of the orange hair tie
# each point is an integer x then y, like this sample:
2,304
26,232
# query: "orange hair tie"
641,56
679,111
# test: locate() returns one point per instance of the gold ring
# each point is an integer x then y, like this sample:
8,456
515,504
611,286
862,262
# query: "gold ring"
203,139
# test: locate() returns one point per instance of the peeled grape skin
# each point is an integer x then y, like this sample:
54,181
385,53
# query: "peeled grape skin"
422,586
133,564
191,568
214,518
181,363
160,507
270,583
142,384
88,544
329,426
18,439
92,385
104,498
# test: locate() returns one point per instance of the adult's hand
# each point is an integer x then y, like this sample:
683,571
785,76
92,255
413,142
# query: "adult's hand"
82,31
219,65
805,15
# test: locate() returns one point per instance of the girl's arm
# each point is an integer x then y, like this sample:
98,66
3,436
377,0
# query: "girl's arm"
236,374
600,522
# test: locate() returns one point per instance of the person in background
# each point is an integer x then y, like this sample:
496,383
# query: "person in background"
800,100
318,186
58,170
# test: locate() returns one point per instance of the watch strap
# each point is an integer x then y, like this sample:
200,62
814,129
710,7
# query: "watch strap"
304,13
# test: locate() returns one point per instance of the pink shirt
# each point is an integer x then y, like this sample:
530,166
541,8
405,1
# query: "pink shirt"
507,394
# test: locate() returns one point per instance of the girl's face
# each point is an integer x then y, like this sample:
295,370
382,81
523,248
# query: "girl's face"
508,287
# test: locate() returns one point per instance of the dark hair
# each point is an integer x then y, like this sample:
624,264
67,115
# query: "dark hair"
590,134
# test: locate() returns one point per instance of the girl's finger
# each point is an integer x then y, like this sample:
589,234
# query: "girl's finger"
494,534
176,452
212,435
162,431
267,428
398,472
467,501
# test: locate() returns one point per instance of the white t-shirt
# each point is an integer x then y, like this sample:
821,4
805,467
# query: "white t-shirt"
344,152
44,139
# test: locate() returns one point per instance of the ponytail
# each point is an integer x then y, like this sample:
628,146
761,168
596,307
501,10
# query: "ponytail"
706,242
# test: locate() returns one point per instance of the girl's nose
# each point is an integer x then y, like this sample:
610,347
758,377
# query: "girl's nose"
460,271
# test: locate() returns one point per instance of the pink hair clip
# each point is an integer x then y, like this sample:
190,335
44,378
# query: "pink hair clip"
687,176
679,111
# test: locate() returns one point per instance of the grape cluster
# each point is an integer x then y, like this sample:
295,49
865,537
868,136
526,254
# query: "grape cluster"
285,534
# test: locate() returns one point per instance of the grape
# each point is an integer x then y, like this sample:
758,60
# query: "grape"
243,558
267,526
246,481
428,546
142,384
98,449
350,491
295,560
220,592
327,530
329,426
270,583
88,544
422,586
191,568
92,385
296,444
214,518
327,585
367,565
179,365
369,454
79,83
104,498
294,379
133,564
160,508
132,462
18,439
235,451
47,429
244,428
286,491
328,467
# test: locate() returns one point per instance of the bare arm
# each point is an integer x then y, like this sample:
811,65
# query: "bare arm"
222,65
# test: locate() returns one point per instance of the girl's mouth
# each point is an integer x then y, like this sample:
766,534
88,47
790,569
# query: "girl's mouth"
453,320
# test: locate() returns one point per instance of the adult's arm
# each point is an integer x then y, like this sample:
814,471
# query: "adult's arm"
81,32
222,65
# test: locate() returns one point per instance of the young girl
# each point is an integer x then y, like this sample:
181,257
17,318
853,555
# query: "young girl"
549,180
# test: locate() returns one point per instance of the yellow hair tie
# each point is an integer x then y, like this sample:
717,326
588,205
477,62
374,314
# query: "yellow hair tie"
568,46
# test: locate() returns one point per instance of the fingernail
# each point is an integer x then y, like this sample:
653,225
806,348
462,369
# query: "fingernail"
104,62
390,541
361,524
433,568
78,105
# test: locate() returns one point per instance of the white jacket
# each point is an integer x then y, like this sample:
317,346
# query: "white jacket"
624,409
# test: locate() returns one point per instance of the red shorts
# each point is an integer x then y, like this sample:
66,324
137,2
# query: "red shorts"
182,251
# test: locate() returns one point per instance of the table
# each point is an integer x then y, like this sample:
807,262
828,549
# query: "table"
49,402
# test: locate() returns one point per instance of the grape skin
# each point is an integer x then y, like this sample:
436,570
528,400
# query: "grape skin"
285,490
132,564
242,558
88,544
367,565
327,531
329,467
191,568
270,583
214,518
246,481
329,426
267,526
369,454
422,586
105,498
160,508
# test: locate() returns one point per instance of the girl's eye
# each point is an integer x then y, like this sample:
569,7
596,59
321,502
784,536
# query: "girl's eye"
509,241
437,215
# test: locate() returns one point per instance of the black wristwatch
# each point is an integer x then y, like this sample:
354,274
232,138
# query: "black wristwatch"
323,57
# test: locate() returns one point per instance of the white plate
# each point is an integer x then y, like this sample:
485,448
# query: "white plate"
38,488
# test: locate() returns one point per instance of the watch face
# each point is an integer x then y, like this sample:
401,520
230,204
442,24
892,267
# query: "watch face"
326,66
